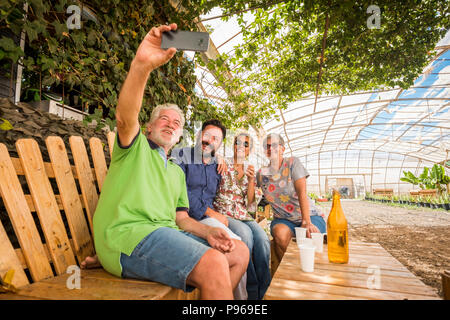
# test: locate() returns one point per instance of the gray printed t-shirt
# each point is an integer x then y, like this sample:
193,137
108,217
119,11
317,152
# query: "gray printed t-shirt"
279,190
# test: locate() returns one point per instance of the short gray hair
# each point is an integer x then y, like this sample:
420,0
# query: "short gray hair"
166,106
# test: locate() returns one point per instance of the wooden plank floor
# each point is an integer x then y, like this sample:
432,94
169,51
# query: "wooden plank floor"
354,280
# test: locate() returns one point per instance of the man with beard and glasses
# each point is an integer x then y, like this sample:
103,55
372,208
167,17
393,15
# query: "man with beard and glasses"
200,166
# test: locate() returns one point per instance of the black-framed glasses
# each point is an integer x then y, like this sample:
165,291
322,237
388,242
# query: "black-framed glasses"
239,143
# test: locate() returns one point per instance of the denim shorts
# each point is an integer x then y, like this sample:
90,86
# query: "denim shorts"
167,256
318,221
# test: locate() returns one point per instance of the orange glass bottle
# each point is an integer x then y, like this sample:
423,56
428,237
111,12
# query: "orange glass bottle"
337,232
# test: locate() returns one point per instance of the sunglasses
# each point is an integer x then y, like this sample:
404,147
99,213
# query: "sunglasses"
239,143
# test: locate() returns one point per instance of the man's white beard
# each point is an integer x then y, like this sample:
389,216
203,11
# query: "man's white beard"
159,140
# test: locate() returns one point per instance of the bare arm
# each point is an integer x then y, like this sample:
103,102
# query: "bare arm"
300,189
149,56
251,184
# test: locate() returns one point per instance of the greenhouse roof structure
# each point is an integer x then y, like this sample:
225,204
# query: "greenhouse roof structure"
371,137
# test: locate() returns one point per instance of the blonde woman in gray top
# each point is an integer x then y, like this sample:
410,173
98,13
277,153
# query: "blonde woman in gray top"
283,183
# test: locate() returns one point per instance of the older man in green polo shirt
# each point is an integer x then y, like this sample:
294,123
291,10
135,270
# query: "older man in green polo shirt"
141,225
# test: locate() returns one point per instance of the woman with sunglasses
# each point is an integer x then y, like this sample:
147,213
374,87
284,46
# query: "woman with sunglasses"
283,183
237,194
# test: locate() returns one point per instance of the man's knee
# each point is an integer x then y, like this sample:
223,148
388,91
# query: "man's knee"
281,234
211,270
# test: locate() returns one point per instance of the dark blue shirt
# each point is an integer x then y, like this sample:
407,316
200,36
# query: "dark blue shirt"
202,180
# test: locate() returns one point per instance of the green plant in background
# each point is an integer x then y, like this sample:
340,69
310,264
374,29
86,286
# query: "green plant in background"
97,116
438,177
313,196
405,198
428,179
410,178
427,199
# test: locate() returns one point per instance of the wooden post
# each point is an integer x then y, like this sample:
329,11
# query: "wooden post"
446,284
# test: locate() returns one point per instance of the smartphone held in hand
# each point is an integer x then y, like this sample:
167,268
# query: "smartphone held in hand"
185,40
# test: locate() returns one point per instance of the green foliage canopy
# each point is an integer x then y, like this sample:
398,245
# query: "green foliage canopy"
280,57
93,61
278,62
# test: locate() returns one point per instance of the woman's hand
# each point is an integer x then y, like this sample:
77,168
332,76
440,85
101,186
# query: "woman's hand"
221,165
250,172
310,228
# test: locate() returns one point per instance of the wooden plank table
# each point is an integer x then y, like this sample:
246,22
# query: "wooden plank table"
355,280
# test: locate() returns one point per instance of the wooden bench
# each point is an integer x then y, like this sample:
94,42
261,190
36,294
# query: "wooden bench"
384,192
446,284
41,264
432,193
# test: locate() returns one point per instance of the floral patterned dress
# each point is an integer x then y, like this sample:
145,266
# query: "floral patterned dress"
231,198
279,190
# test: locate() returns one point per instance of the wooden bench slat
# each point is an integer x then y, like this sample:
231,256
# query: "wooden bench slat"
9,260
85,176
354,280
82,241
30,203
351,269
45,204
21,219
111,136
295,290
48,169
98,157
95,284
364,261
21,258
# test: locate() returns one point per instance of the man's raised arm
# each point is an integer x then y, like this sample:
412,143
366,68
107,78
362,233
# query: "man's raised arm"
149,56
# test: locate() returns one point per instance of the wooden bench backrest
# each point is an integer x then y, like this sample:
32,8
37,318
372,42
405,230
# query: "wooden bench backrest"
58,250
384,192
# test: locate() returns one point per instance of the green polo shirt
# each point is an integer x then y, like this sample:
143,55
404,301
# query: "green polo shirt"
140,194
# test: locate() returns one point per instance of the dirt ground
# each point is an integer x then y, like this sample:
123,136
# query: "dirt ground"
418,238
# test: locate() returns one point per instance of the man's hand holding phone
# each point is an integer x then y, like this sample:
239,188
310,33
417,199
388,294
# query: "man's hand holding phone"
149,55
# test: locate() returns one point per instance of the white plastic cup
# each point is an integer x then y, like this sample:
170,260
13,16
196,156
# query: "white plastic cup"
300,233
246,164
317,239
304,241
307,257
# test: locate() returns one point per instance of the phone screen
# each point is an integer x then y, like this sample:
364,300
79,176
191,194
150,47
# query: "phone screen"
185,40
